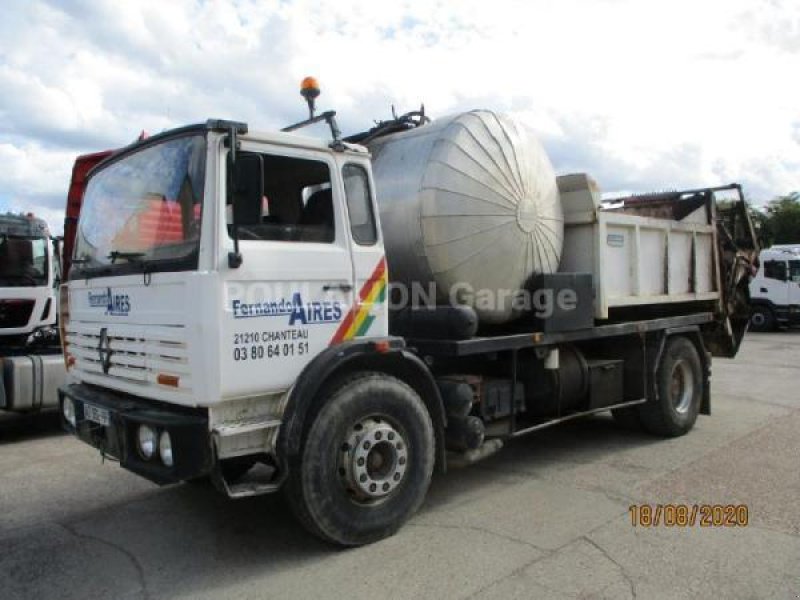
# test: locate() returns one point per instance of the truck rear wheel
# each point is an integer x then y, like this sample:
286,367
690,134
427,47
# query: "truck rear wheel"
762,319
366,463
679,382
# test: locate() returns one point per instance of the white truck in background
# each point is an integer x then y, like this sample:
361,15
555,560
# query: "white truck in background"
31,364
32,266
228,310
775,290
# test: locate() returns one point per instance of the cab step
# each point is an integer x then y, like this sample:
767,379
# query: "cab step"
258,480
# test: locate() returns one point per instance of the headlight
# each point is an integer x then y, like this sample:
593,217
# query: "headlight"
146,438
68,410
165,449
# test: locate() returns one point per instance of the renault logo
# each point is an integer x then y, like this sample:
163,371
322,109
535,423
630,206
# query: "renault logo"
104,350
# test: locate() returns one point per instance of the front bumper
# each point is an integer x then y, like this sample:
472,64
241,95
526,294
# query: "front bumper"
788,315
188,430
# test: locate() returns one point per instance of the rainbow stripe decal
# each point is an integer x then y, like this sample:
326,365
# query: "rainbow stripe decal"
358,319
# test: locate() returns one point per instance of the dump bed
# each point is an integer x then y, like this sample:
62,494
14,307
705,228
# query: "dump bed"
641,250
663,254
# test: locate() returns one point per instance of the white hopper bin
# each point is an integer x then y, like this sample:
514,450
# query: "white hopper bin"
636,260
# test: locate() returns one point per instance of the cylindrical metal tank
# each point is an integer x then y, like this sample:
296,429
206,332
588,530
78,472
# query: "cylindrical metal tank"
468,203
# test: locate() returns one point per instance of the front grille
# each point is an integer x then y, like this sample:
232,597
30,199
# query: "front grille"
15,313
130,353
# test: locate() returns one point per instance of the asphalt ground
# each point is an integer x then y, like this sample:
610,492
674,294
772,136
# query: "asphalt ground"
547,517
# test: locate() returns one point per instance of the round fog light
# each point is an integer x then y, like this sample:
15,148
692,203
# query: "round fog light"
165,449
146,438
68,410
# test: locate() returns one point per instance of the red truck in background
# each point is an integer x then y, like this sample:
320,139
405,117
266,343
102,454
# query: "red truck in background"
80,171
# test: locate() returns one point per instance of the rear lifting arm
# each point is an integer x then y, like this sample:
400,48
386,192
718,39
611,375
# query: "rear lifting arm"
387,355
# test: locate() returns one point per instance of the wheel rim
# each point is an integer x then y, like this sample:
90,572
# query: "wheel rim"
681,386
758,319
373,460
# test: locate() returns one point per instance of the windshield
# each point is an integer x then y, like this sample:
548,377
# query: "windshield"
23,261
143,210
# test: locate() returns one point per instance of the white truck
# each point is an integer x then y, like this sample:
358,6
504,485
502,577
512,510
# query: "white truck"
775,290
239,308
30,354
32,265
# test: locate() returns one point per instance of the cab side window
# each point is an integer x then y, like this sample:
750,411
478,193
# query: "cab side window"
794,270
775,269
296,203
359,205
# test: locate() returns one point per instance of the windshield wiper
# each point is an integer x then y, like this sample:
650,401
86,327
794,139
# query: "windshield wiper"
130,256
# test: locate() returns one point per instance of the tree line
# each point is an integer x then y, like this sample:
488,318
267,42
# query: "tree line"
779,221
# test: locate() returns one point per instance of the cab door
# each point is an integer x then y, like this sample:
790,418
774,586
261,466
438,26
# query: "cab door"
369,314
294,288
794,282
774,285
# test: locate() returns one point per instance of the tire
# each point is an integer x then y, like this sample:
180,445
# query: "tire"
762,319
679,391
347,494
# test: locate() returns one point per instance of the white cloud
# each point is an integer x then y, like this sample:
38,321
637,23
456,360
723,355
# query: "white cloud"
643,95
35,178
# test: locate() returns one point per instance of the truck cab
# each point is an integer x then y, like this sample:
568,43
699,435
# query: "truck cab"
775,290
210,279
31,368
28,277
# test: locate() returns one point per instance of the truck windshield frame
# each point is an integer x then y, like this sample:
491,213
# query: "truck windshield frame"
24,261
142,210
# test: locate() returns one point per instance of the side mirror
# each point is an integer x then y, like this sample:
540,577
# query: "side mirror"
247,188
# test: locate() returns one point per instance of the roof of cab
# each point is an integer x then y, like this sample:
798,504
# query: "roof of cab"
293,139
219,125
25,225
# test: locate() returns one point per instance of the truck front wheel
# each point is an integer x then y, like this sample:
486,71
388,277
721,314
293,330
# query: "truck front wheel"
762,319
679,381
366,463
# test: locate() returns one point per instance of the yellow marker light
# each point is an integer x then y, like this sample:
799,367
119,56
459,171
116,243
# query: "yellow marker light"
309,87
171,380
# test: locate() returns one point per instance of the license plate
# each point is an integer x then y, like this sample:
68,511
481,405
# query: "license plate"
96,414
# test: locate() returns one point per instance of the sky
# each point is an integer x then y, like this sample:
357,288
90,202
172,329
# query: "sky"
643,95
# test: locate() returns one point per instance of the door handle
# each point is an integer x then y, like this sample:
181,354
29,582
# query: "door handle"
343,287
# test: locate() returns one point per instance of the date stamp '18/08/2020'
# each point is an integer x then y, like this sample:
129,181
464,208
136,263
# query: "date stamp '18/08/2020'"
689,515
